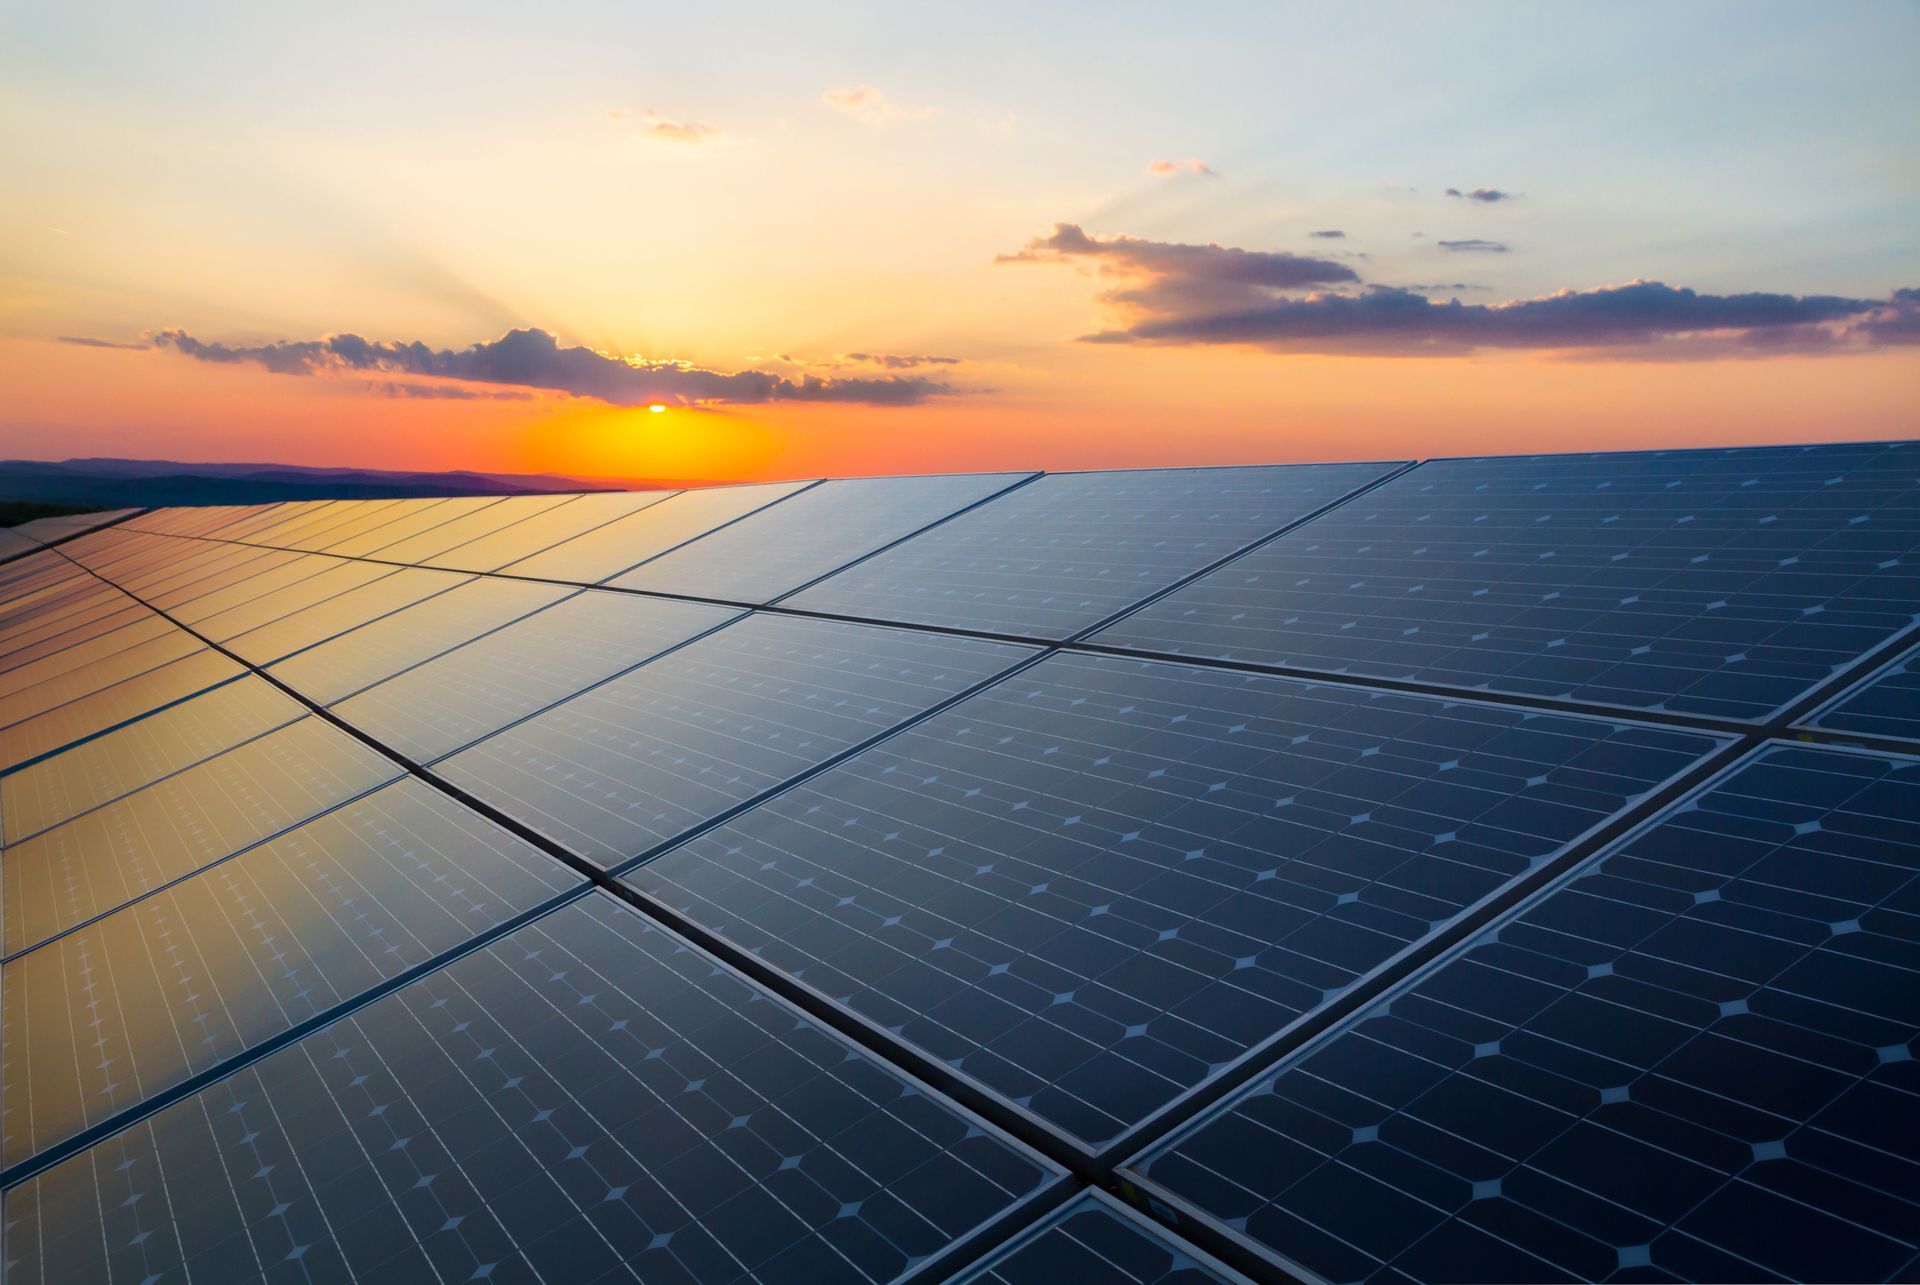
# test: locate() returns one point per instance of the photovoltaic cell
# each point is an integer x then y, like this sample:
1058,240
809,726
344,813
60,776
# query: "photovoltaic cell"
82,652
1070,549
809,535
475,690
250,604
627,541
1099,882
415,523
103,769
304,628
111,706
1885,703
1097,1239
58,689
1721,583
1693,1060
469,528
106,1017
638,760
586,1099
362,657
105,858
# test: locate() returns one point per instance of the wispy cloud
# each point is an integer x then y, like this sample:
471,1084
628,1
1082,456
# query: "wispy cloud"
1167,169
1329,234
1486,195
898,361
1474,245
534,359
661,129
450,392
1189,294
864,102
84,341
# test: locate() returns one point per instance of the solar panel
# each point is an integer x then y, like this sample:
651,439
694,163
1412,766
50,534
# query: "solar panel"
363,656
414,524
100,770
587,1098
612,548
83,651
241,953
1101,882
1691,1059
1095,1238
1885,703
638,760
163,648
110,707
471,528
300,629
1070,549
251,602
1718,583
105,858
815,532
374,520
475,690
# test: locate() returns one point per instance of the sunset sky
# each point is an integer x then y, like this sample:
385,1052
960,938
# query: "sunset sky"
882,238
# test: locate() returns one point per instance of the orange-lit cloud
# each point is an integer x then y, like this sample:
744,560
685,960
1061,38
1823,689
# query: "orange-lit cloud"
864,102
1167,169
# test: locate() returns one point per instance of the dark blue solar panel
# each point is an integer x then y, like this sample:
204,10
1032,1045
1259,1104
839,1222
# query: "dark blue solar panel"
1692,1060
588,1099
102,1019
1885,703
1722,583
1101,881
636,761
1063,553
1097,1239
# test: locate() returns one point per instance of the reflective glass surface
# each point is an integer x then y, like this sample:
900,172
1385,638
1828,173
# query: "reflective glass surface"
1722,583
677,518
638,760
103,769
304,628
104,858
251,604
1096,1239
1097,883
467,528
363,656
475,690
809,535
1885,703
582,514
1070,549
176,983
162,647
416,522
111,706
1692,1060
586,1099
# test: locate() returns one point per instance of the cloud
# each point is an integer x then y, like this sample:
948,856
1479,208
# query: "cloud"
1167,169
535,359
662,130
1473,246
1485,194
84,341
1167,293
1329,234
864,102
450,392
897,361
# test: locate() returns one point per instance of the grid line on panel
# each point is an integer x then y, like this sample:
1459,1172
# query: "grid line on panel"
1674,1029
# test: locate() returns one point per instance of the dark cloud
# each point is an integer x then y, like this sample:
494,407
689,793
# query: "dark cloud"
451,392
1474,245
84,341
1486,194
898,361
1170,278
1636,316
535,359
1434,286
1329,234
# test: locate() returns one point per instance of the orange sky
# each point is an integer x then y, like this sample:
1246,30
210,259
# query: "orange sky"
839,194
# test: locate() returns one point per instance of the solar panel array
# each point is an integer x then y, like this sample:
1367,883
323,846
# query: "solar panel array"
1487,869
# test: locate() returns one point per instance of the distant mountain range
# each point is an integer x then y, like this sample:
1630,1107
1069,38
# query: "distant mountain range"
114,484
